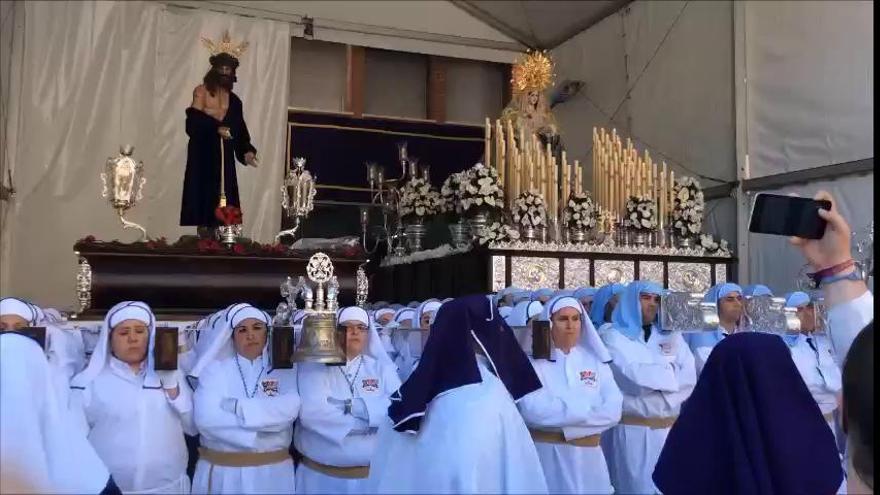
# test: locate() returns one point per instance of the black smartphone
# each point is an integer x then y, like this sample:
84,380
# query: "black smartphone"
165,349
788,216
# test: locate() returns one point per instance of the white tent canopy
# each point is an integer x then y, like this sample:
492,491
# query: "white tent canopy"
747,96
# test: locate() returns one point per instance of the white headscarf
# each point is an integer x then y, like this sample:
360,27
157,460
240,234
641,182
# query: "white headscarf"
589,339
381,312
19,307
37,441
126,310
523,311
374,348
219,344
402,314
425,307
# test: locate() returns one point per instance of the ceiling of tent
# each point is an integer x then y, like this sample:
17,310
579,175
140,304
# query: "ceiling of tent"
541,24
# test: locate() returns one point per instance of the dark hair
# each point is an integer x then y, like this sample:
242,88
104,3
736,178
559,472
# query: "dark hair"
213,79
223,60
858,403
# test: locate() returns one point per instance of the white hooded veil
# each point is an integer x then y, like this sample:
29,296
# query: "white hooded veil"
589,339
126,310
38,442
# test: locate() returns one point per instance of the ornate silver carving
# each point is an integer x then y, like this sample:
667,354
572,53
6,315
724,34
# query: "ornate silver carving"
720,273
363,287
769,314
83,285
499,273
651,270
297,195
577,273
602,248
686,312
534,273
320,268
694,277
863,251
614,272
123,184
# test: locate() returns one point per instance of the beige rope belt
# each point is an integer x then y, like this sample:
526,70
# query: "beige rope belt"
353,472
652,423
240,459
558,438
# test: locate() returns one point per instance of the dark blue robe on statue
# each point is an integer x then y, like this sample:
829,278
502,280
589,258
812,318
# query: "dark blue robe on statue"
201,183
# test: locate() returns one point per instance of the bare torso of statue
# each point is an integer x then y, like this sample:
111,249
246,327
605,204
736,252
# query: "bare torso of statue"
216,105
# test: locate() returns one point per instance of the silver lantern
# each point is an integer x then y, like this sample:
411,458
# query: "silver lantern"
297,195
123,183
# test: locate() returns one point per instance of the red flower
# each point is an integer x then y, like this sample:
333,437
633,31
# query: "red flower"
238,249
228,215
208,245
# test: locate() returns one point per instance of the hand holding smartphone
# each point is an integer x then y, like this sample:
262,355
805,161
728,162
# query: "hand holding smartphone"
789,216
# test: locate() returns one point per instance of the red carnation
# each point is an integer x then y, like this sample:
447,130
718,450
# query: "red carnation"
238,249
228,215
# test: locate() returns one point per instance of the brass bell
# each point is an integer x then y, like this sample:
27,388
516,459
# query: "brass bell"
321,341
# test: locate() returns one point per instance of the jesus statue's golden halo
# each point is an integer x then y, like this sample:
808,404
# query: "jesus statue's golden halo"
532,72
225,45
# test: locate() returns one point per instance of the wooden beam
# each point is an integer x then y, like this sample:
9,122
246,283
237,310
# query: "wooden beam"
355,57
435,99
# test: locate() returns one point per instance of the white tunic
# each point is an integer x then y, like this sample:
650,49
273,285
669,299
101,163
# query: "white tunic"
846,321
262,423
655,378
328,436
137,431
580,398
472,440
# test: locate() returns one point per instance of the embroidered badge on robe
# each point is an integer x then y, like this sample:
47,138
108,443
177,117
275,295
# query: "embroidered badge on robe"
370,384
270,386
590,378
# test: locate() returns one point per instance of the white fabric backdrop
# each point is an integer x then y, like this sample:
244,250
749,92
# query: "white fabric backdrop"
90,76
810,68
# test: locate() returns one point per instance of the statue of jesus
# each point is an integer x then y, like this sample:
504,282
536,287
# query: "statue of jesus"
218,136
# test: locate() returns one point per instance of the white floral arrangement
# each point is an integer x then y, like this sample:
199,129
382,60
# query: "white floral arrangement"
450,194
530,210
497,232
687,211
580,212
418,199
480,189
641,213
719,248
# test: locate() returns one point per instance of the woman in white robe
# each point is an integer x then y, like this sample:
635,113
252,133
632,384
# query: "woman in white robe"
342,407
656,374
454,426
523,313
577,402
39,444
381,318
406,356
135,416
64,347
244,410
